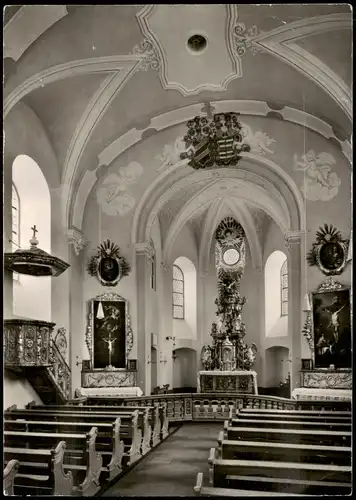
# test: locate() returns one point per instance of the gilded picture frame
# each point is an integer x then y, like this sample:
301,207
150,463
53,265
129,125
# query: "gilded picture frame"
109,336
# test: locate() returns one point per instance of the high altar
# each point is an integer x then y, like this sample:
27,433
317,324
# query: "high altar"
228,361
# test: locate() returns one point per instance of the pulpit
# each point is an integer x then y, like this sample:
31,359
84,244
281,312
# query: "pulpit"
238,381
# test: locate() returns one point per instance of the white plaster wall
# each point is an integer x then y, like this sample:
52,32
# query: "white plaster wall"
18,391
185,368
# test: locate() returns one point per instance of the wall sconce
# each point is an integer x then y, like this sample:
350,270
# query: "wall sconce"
170,338
162,358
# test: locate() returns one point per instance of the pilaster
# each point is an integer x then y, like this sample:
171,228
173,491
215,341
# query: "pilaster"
293,242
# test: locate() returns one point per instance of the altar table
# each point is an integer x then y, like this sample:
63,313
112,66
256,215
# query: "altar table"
310,394
239,381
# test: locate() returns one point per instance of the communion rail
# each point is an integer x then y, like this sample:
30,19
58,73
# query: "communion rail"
195,407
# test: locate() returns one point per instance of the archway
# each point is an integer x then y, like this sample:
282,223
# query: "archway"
184,370
278,368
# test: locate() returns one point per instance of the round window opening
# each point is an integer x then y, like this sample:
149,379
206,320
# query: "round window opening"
231,256
197,43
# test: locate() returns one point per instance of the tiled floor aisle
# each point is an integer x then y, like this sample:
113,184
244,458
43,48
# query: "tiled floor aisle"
171,469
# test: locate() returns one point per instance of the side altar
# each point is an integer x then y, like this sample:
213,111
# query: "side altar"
109,338
228,361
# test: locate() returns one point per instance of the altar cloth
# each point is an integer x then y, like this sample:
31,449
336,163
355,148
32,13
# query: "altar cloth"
310,394
111,391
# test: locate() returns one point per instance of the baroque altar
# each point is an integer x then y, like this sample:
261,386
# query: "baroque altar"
228,361
109,339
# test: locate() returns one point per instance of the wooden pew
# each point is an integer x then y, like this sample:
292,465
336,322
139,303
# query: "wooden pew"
290,424
149,418
10,472
323,413
300,417
40,471
211,491
274,434
129,431
258,450
109,400
80,458
223,473
107,440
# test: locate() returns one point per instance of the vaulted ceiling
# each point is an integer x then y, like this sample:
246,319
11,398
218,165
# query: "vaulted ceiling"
92,73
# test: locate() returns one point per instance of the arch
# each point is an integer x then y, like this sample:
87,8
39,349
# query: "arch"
181,115
276,324
266,198
162,189
32,297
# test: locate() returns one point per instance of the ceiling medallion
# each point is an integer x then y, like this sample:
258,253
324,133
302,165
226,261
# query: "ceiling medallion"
215,141
197,43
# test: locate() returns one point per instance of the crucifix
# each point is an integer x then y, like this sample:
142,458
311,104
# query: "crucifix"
35,230
110,343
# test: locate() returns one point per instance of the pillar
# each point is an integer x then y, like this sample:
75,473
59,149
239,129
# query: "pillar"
77,309
293,244
201,316
144,252
166,325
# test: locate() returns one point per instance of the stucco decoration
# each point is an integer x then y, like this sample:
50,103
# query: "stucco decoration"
259,142
150,58
244,39
114,194
320,183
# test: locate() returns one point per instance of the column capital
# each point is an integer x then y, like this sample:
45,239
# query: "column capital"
293,238
77,239
145,248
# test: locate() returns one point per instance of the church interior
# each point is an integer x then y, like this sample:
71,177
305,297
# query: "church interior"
177,249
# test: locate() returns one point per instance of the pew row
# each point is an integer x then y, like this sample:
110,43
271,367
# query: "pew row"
298,416
110,400
228,473
10,472
40,471
258,450
211,491
151,425
107,440
344,413
80,458
275,434
129,429
290,424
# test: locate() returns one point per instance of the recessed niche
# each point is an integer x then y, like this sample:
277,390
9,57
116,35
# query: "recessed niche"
197,43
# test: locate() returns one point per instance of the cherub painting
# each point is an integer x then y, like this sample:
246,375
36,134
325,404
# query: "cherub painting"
320,183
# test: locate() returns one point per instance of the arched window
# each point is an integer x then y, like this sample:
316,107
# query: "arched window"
15,236
178,293
284,289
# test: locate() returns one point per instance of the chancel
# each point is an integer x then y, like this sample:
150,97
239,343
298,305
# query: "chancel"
177,250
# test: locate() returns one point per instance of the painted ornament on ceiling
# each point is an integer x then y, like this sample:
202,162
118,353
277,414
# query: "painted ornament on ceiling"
320,183
114,195
259,142
171,154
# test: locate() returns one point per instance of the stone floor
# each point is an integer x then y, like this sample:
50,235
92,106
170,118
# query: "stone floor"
171,469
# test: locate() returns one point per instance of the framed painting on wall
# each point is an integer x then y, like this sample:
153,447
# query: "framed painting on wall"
109,335
332,327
